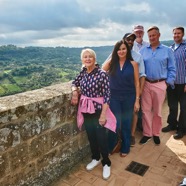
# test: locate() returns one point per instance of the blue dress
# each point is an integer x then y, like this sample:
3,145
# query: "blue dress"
123,94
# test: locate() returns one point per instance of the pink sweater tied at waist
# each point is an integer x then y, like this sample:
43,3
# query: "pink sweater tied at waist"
86,106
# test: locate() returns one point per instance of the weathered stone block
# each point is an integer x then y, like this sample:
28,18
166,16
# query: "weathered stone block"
13,107
39,146
22,177
82,140
62,134
8,138
39,138
19,157
4,165
62,114
67,148
72,151
7,116
20,111
31,126
51,117
50,103
44,162
71,112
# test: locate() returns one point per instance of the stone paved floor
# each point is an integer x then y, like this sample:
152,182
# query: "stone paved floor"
167,165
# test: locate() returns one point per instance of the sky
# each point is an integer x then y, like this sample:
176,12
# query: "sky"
82,23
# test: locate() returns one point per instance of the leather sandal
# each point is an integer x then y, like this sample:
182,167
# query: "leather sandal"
123,155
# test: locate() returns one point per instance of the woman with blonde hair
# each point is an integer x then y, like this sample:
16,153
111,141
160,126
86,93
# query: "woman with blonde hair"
93,109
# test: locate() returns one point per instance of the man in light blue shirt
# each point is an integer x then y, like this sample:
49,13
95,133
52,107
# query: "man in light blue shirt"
160,71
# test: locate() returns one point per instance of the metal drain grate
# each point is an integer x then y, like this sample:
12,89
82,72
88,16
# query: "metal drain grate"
137,168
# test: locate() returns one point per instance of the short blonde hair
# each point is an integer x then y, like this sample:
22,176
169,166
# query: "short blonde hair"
153,28
92,52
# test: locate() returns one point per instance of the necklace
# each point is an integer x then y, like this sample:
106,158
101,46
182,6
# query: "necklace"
121,66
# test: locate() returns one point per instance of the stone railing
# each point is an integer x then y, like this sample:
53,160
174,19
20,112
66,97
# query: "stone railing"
39,138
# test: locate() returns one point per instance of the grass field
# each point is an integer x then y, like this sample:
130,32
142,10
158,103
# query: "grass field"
12,87
2,90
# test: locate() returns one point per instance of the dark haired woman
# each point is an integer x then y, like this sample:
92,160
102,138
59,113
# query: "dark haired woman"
124,85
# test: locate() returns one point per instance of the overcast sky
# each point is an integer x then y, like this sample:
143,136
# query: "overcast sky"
77,23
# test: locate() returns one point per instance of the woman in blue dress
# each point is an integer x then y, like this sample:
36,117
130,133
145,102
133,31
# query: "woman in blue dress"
125,92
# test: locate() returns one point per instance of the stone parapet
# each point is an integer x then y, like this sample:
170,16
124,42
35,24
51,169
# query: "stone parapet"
39,138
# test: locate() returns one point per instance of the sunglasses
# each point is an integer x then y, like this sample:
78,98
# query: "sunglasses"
130,39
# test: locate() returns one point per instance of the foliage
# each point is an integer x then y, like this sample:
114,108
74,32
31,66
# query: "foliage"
29,68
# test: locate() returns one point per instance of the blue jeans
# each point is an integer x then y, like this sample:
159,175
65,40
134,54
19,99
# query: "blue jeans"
122,108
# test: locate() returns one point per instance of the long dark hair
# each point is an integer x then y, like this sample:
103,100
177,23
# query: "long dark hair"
115,58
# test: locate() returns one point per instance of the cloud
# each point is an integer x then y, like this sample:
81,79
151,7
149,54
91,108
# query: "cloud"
83,23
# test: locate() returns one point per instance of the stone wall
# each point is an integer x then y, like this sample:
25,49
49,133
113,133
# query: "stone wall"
39,139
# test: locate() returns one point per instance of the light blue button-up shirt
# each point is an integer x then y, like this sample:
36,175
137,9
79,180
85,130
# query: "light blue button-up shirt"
137,47
137,57
159,63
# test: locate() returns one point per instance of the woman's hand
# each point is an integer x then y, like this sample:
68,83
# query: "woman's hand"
136,105
74,99
102,119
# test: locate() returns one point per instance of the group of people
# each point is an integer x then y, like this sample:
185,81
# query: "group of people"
131,86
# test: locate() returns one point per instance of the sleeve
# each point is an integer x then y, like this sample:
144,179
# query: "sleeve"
105,88
185,62
171,68
141,67
76,81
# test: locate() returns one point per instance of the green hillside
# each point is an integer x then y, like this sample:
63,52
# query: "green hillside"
29,68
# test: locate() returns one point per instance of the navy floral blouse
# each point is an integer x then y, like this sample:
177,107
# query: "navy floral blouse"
94,84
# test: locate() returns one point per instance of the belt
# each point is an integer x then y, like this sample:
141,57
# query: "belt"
154,81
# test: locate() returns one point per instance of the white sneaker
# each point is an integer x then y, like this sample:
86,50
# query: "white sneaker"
92,164
183,182
106,172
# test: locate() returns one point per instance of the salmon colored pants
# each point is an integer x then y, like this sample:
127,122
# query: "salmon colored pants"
152,97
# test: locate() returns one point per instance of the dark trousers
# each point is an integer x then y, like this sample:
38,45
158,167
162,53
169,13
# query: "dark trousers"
97,136
177,97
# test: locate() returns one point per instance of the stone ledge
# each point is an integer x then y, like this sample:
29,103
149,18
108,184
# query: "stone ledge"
39,138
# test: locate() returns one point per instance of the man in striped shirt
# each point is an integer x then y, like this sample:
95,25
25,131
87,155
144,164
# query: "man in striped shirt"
177,95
